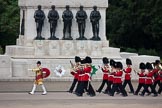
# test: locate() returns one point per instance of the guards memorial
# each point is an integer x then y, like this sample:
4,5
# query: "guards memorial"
58,51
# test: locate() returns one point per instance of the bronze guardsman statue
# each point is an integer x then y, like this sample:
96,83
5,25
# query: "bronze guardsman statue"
67,19
94,18
53,16
39,19
81,17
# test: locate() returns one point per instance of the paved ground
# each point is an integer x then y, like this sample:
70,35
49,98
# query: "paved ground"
67,100
52,86
15,95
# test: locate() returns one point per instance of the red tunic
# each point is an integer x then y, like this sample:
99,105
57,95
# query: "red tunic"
87,71
118,76
75,74
155,71
111,75
105,73
141,78
128,73
149,79
80,75
160,74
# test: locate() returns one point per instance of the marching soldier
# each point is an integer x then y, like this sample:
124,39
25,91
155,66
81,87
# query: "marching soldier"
128,71
141,81
156,74
117,82
111,76
75,73
84,78
38,79
160,89
80,86
105,70
87,77
149,81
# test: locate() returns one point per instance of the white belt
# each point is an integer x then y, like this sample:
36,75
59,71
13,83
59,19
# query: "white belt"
111,75
148,78
81,74
143,77
87,74
117,77
84,74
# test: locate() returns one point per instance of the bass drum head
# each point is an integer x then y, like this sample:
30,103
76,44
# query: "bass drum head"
46,72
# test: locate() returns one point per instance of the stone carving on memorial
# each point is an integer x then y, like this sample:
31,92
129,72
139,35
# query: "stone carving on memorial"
53,16
39,48
81,17
94,18
67,19
67,48
39,19
81,48
96,49
54,48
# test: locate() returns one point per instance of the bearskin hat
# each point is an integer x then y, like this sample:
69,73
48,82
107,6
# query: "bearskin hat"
105,60
38,62
77,59
142,65
128,61
83,61
112,62
149,66
119,65
157,62
88,59
153,64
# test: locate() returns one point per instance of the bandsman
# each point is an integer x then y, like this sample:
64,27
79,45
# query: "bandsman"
149,81
141,80
105,70
74,72
127,79
117,82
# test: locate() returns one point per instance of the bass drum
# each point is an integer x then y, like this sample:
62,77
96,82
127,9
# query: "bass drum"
46,72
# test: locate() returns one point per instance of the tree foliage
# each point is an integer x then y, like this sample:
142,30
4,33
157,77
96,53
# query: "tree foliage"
9,22
135,23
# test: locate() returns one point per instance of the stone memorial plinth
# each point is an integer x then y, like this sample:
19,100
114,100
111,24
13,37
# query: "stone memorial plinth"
52,53
5,66
125,55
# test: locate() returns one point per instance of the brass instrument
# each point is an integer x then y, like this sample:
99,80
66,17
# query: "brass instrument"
106,67
160,67
72,65
136,72
112,70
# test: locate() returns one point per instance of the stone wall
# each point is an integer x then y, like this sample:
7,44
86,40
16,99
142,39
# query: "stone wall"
5,66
